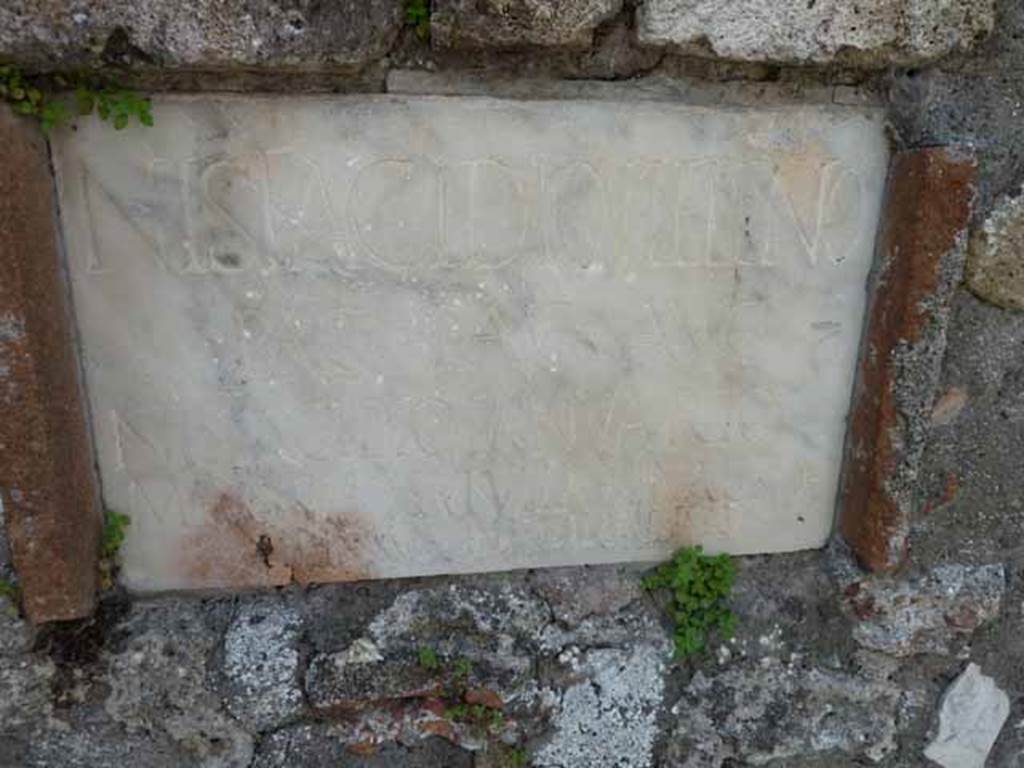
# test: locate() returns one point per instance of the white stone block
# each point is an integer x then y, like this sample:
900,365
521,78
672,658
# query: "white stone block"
867,32
972,714
339,338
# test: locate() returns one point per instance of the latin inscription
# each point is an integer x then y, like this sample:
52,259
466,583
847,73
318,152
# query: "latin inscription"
278,210
352,337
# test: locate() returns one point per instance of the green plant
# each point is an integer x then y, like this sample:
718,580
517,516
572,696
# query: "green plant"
700,586
517,758
27,97
12,593
427,658
478,711
9,590
462,669
114,104
417,14
476,715
457,712
114,525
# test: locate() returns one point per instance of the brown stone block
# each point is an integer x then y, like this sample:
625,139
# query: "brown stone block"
920,253
47,481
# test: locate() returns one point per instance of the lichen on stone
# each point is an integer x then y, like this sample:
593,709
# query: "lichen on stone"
995,260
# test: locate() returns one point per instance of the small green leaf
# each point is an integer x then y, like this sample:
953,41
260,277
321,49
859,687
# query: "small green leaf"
85,101
427,658
700,585
463,667
114,525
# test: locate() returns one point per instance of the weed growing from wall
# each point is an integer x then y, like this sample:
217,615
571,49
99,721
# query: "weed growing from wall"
116,105
10,591
417,15
114,529
476,711
700,586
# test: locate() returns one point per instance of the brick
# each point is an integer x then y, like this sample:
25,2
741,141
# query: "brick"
920,253
47,482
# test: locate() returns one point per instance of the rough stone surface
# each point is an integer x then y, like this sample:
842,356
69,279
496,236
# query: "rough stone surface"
158,684
611,712
972,713
6,566
921,246
261,665
995,260
335,676
660,307
198,33
516,23
783,709
934,613
47,486
15,635
792,613
324,746
874,33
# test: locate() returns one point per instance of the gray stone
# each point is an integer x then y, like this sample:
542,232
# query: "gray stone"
612,711
573,599
995,259
873,33
490,628
25,690
261,665
157,684
933,613
974,510
324,745
198,33
6,566
660,307
972,714
755,712
16,634
337,682
86,738
482,618
379,691
517,23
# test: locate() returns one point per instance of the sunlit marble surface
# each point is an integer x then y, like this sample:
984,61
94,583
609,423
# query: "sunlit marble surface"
340,338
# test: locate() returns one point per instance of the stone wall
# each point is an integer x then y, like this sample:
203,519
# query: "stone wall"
830,666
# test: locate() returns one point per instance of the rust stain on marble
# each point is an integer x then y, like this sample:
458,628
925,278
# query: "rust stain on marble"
239,548
687,511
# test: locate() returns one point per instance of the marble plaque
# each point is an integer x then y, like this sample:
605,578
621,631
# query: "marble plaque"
343,338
